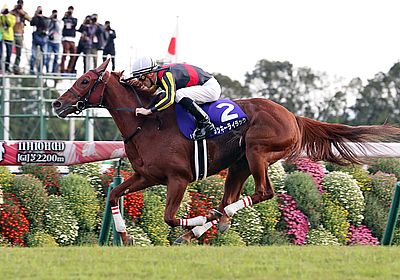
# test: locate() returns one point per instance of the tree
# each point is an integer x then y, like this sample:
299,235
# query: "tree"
378,102
232,89
300,90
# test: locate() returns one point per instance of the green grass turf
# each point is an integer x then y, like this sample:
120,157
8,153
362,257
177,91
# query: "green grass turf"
201,262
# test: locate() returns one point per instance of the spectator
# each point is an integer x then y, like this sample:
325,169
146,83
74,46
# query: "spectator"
53,45
87,30
19,26
109,47
68,40
98,42
39,38
7,22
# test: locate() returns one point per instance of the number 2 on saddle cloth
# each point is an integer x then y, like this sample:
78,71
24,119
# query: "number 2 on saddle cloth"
225,114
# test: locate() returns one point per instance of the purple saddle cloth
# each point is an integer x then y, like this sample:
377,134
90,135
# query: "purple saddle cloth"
225,114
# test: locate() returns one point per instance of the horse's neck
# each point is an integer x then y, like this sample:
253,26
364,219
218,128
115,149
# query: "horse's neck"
121,104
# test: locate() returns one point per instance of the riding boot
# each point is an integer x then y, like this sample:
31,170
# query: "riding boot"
204,126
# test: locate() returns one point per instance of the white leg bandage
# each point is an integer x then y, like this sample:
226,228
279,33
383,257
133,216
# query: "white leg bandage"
196,221
200,230
118,220
231,209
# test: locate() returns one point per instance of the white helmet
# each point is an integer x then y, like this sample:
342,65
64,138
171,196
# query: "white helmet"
144,65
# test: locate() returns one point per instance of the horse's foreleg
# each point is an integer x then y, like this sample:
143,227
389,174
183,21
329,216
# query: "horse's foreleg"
175,190
135,183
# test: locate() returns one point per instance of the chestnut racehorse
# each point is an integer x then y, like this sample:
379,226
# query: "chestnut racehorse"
160,154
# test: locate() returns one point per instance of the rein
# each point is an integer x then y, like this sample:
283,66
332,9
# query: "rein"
83,101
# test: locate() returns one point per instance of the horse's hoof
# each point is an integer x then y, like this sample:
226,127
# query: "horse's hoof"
127,240
184,239
216,213
224,227
180,241
130,241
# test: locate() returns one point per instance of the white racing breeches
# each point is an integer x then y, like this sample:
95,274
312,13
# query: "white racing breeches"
208,92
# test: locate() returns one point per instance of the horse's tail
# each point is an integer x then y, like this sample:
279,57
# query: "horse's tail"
319,140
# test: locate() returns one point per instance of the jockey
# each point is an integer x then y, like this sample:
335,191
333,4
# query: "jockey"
182,83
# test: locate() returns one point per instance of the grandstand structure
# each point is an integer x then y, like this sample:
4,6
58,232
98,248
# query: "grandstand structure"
25,105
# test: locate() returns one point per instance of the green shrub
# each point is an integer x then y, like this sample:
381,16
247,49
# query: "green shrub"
289,167
152,219
321,236
303,189
41,239
386,165
92,172
276,174
81,199
86,238
33,197
159,190
4,242
6,179
269,213
249,187
376,215
140,237
343,188
47,174
357,171
229,238
212,187
396,236
251,235
335,218
275,237
60,222
383,186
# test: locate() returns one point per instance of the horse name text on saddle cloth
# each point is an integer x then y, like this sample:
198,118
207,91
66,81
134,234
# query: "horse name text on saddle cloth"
225,114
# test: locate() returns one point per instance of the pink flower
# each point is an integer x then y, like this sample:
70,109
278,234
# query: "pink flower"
361,236
296,222
315,169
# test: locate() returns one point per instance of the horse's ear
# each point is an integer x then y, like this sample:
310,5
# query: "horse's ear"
103,66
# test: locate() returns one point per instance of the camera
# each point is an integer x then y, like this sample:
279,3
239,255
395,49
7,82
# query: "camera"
19,7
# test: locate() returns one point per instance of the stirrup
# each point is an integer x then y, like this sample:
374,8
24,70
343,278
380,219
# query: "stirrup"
203,130
199,134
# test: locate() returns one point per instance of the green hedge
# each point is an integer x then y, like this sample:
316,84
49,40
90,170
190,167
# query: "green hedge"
33,197
6,179
303,189
60,222
152,219
344,188
81,199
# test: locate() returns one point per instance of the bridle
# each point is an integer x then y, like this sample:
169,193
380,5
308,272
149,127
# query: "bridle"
82,101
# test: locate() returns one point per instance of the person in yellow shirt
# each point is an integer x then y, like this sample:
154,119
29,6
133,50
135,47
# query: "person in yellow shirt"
7,22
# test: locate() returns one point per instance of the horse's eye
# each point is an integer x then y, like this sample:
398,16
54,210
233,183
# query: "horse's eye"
85,82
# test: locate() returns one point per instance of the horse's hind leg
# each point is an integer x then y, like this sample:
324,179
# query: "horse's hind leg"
237,175
258,163
135,183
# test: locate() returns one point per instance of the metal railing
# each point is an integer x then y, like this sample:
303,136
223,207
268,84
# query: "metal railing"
39,89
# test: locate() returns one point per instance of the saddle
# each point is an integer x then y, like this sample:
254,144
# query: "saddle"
225,114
